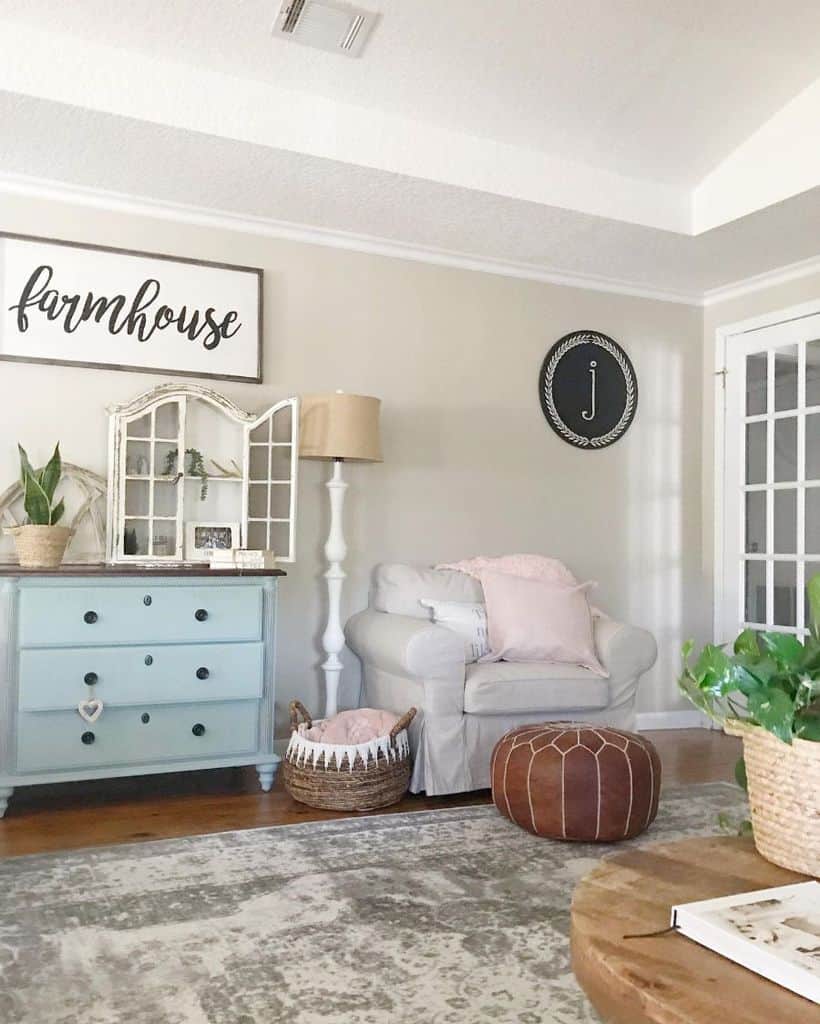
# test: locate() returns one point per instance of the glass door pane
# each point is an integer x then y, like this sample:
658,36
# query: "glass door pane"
813,373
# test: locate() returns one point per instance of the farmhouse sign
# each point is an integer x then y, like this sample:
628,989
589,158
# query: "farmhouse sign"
86,305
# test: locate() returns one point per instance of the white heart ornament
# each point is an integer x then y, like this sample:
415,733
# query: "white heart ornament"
90,710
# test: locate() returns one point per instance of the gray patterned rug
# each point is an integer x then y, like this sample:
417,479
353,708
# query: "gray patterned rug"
437,917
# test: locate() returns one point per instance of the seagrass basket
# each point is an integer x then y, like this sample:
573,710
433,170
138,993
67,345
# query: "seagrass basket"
341,777
784,796
40,547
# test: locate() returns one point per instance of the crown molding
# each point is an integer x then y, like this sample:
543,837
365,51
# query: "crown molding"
110,201
769,279
41,188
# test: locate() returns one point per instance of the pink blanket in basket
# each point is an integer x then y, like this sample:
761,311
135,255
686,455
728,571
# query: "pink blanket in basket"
349,727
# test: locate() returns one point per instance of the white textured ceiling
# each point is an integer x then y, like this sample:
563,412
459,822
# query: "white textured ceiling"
657,89
133,158
651,143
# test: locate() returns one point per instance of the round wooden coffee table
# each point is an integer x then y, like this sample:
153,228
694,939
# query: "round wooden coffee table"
669,979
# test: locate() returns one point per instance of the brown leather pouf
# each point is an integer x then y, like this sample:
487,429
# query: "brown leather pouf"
570,780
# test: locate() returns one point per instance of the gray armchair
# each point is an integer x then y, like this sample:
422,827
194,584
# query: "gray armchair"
407,660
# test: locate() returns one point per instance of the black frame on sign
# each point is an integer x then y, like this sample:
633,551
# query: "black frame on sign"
257,271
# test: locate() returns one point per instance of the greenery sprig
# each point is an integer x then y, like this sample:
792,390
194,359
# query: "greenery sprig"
196,467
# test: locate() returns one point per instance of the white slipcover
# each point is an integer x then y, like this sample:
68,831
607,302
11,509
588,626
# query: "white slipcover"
464,710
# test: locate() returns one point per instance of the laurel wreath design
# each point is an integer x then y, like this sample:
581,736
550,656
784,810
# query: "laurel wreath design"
583,338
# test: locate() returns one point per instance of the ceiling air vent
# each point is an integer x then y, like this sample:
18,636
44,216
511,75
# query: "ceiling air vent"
325,25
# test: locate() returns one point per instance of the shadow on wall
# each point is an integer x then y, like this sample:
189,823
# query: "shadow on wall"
661,585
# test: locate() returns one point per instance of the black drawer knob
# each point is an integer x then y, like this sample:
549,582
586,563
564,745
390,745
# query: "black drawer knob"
87,738
200,615
145,718
147,600
149,659
90,618
90,678
202,673
198,729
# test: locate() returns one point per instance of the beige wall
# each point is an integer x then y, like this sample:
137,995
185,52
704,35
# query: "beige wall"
470,463
768,300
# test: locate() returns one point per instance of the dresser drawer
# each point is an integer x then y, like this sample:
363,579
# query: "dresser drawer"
54,616
52,740
53,679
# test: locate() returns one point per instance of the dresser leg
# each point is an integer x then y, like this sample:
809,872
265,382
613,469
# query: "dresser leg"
5,796
266,773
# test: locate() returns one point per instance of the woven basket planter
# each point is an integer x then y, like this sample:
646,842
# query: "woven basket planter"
337,777
40,547
784,796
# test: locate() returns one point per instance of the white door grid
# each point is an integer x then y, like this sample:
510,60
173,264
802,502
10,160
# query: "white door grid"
769,532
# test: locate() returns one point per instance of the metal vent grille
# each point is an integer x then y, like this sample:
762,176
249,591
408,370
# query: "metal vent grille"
292,15
325,25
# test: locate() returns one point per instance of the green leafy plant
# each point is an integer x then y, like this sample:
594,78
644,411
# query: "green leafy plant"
769,679
196,467
39,487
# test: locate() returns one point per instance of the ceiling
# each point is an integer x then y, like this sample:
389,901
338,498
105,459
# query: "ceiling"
662,145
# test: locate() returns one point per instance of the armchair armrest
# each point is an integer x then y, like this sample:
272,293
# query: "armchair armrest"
405,646
626,652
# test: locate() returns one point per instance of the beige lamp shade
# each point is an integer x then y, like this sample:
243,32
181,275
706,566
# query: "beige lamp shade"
340,426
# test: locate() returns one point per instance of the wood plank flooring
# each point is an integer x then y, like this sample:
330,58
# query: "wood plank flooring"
99,813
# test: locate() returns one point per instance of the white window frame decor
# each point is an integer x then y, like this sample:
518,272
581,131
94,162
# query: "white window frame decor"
269,440
731,342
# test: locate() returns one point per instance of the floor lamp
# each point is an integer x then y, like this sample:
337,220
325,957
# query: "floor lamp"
342,428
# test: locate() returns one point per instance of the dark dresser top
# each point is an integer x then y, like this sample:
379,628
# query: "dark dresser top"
103,569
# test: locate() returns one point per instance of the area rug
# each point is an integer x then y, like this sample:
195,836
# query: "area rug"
434,917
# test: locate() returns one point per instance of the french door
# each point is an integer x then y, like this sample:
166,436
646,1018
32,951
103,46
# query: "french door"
771,485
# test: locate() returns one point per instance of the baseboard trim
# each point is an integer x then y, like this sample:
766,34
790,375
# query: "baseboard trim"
648,720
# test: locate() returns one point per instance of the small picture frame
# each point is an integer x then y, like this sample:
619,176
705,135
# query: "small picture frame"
201,539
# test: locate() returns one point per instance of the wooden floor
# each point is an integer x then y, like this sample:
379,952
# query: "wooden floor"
100,813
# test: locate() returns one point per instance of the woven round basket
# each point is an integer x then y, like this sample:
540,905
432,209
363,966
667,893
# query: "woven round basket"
40,547
784,796
337,777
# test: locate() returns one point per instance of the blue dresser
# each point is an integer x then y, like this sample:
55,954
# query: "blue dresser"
110,671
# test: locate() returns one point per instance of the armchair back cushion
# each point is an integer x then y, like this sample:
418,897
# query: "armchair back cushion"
399,589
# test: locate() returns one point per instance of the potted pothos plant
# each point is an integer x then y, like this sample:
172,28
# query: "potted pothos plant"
766,689
41,541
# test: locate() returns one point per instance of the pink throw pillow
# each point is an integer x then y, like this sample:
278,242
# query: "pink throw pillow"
531,620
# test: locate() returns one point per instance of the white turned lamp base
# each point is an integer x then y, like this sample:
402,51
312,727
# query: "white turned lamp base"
337,426
333,638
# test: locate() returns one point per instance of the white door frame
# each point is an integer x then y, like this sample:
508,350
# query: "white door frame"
723,339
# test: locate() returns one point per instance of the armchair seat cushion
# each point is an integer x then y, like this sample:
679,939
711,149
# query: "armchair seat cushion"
510,687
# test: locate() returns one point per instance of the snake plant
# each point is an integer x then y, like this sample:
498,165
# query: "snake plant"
39,487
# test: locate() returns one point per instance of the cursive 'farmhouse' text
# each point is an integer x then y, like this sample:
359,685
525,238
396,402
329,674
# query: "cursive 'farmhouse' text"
141,317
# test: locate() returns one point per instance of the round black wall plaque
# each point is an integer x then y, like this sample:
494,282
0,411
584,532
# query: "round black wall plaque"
588,389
